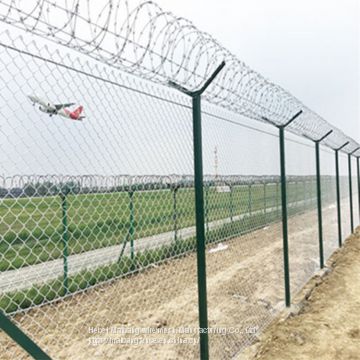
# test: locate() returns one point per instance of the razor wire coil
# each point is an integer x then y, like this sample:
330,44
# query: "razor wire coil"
149,42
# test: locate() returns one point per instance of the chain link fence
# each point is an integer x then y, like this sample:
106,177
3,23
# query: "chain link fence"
355,192
98,259
328,195
345,196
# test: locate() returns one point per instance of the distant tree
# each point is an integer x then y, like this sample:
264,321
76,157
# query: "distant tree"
15,192
72,187
3,192
29,190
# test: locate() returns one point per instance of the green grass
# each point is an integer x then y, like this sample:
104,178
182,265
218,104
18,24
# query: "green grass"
31,228
219,207
52,290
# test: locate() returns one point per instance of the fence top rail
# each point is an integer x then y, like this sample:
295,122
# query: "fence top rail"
155,44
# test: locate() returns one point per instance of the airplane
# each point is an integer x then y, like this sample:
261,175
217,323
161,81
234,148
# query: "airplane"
57,109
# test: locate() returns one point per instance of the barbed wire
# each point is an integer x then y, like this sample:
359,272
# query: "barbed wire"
149,42
49,185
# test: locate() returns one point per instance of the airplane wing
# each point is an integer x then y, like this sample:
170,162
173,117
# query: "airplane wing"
60,106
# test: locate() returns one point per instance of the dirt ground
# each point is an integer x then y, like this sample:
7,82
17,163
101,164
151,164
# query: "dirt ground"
326,323
245,293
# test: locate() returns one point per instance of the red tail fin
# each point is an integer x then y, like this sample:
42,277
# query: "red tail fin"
76,113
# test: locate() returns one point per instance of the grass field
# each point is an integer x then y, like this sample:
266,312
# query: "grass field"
31,229
251,268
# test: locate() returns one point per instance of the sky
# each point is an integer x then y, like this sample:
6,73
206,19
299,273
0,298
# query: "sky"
309,47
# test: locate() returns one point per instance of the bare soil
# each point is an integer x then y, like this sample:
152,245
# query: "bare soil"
245,293
326,324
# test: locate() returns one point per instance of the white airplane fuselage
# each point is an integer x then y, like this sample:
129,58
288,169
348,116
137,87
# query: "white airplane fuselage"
52,109
46,106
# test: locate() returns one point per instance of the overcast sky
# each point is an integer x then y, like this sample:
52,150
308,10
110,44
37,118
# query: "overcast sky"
309,47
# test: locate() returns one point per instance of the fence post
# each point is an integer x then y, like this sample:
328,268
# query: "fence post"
338,197
131,226
319,207
21,338
199,209
175,189
65,237
284,203
318,195
338,191
284,217
350,190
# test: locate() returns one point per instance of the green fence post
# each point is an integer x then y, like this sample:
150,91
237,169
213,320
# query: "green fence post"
21,338
132,227
199,209
65,238
319,208
350,191
338,197
284,203
318,195
175,189
284,217
200,233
